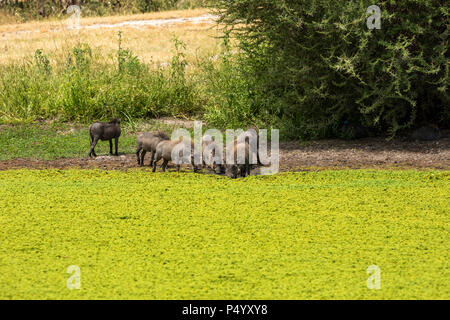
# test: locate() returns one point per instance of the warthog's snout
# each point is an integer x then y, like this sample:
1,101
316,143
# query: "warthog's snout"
237,169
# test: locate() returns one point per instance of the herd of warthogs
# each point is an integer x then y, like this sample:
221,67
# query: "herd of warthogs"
160,146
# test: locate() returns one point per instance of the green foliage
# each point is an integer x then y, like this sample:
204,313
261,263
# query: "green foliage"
232,102
143,235
41,62
81,90
315,63
304,67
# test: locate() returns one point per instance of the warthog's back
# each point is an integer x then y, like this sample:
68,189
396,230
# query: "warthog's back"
111,131
96,128
165,147
105,131
143,136
150,141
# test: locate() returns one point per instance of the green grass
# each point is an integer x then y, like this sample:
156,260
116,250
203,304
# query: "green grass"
59,140
49,142
308,235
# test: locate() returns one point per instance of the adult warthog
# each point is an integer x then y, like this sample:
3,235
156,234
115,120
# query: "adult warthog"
165,148
240,167
212,154
105,131
147,142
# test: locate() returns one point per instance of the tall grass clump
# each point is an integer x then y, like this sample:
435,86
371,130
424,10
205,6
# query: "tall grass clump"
84,88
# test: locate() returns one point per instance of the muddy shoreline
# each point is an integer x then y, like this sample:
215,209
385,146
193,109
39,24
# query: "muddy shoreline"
374,153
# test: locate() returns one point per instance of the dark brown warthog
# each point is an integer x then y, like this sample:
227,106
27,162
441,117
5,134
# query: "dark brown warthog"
235,170
164,151
209,149
147,142
105,131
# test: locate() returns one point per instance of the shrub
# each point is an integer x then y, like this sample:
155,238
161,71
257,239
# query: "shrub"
316,63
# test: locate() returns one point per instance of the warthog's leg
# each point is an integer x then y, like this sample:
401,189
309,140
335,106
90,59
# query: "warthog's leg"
93,144
110,147
154,163
164,165
138,153
247,169
91,139
242,170
142,157
153,157
196,168
117,146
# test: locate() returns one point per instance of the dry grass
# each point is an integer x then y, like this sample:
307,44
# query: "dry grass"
8,19
52,23
19,41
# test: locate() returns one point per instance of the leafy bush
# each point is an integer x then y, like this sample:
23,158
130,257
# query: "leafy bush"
316,63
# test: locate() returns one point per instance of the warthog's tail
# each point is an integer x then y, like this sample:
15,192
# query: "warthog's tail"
90,134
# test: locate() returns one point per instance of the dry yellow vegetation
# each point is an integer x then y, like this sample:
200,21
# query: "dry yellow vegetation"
149,43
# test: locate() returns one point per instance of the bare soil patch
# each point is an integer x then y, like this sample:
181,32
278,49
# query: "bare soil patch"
294,156
367,153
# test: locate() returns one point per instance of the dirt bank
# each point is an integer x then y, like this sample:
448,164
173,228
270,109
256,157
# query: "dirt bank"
323,154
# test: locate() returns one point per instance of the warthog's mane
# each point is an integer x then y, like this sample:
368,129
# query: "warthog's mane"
162,135
114,120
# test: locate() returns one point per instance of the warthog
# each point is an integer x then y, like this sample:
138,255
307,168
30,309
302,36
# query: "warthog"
209,148
236,169
426,134
164,151
105,131
147,142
